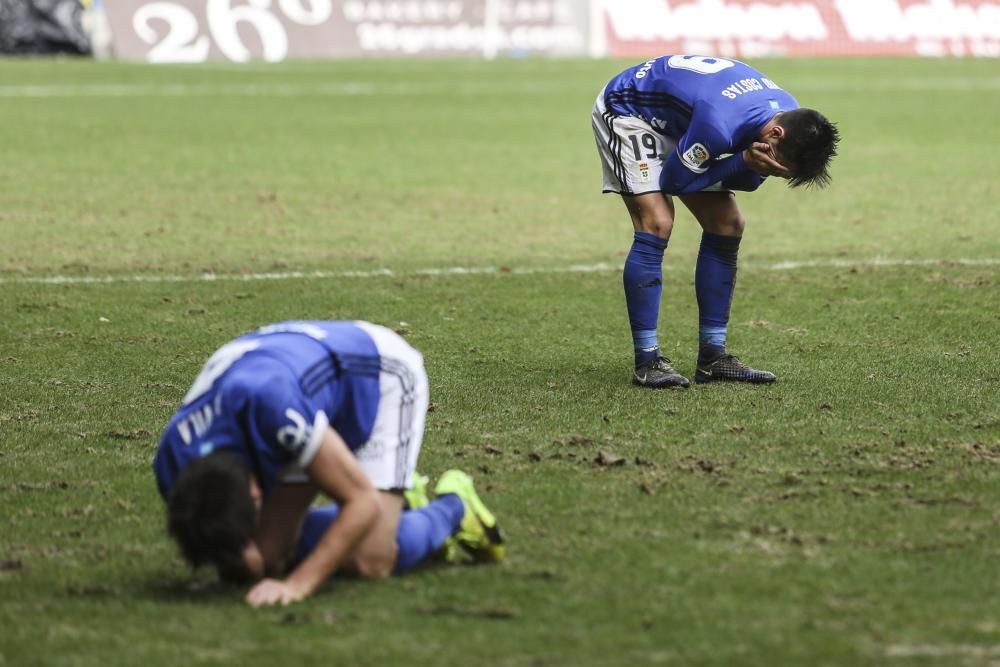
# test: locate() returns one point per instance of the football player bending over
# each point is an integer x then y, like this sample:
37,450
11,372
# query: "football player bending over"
699,128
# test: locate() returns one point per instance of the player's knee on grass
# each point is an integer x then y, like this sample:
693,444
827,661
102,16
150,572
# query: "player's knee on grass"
375,557
374,563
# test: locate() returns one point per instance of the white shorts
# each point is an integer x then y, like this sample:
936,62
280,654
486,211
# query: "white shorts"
632,152
389,457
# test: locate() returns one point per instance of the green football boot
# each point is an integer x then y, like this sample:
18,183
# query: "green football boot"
416,496
479,535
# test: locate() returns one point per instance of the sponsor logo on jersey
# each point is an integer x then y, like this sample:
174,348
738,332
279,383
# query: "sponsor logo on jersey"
696,156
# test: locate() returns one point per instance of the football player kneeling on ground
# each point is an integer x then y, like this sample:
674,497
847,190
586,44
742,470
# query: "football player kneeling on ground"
295,409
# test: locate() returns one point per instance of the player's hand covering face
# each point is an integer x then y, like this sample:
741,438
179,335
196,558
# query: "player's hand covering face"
761,158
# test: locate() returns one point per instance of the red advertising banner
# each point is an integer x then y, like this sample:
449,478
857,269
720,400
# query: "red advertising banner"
752,28
187,31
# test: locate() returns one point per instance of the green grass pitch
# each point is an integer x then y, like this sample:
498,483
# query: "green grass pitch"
848,515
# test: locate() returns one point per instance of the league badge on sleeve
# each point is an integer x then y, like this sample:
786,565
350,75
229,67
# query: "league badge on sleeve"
694,157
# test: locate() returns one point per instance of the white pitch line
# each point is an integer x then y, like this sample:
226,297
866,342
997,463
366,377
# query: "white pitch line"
875,262
300,275
602,267
345,89
943,650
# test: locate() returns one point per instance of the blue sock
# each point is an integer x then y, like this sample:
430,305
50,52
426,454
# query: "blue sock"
643,278
318,519
421,532
424,531
714,281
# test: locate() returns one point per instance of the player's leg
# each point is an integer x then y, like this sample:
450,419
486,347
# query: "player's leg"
421,533
722,226
375,556
715,274
652,221
631,161
389,460
402,540
399,540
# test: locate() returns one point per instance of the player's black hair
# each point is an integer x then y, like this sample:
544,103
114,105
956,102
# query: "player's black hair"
810,142
211,514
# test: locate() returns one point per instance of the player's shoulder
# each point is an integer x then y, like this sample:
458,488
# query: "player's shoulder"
329,335
712,120
256,376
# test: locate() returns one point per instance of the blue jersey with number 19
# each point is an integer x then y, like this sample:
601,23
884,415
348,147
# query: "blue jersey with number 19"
269,396
712,107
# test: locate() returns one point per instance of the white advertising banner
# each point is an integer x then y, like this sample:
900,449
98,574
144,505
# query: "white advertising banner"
186,31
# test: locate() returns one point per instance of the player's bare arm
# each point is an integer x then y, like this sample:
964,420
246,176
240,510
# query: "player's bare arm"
278,527
335,471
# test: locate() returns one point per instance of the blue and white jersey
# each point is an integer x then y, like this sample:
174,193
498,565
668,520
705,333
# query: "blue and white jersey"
712,107
269,396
